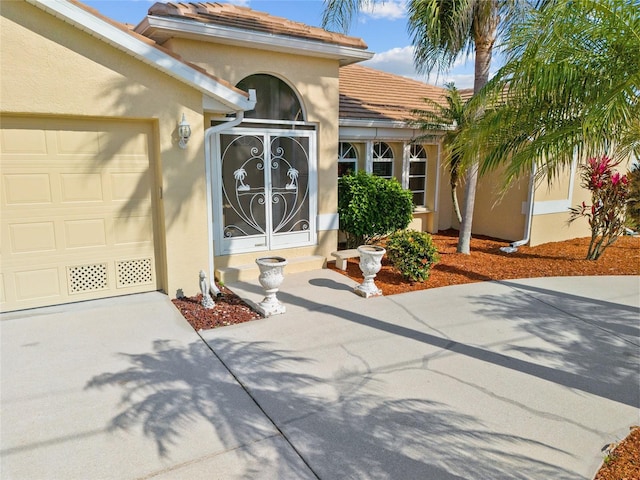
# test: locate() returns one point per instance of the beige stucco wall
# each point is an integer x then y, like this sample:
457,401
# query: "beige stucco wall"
554,227
445,216
499,214
50,68
316,83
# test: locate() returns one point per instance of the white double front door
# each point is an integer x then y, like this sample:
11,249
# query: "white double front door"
264,189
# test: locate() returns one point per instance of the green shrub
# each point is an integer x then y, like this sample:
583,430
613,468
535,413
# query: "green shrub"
372,207
412,253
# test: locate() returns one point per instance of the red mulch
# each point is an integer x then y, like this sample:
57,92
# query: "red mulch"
623,463
487,262
229,310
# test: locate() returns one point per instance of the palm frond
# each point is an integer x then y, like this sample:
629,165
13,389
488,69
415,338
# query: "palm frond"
573,76
338,14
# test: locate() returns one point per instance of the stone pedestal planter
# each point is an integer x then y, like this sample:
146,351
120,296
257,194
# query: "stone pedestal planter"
271,277
370,264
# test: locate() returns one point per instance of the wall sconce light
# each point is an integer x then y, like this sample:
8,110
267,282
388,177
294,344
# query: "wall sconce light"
184,132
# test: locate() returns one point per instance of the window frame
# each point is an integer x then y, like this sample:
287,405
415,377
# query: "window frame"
415,158
378,152
343,149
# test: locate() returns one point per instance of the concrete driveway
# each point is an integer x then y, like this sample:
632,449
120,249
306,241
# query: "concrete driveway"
510,380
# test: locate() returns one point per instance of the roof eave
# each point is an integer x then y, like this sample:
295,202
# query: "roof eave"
95,26
162,28
366,122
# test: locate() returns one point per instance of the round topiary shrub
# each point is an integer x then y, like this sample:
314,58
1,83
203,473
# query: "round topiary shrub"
412,253
371,207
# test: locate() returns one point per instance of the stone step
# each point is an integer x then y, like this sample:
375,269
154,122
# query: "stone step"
250,271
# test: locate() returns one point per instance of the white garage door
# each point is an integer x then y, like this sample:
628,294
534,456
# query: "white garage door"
77,211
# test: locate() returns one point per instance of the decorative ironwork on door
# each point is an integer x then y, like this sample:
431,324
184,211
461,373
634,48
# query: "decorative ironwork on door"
266,194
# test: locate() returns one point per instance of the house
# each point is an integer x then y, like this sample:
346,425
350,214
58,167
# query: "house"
375,135
98,197
201,139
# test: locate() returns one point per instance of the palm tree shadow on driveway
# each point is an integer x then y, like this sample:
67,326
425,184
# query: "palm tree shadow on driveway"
166,391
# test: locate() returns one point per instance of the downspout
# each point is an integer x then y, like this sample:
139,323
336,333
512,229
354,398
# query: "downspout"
513,246
208,134
436,202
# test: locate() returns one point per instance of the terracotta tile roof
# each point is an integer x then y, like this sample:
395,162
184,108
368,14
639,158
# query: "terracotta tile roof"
128,29
243,18
370,94
466,94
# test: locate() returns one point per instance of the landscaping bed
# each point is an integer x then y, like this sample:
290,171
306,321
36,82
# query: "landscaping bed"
486,262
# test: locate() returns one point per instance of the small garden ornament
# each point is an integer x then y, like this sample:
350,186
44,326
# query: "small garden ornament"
370,264
207,301
271,277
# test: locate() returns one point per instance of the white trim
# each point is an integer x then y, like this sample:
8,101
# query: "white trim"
551,206
328,221
368,157
406,147
572,178
361,122
436,202
380,132
208,168
114,36
558,206
162,28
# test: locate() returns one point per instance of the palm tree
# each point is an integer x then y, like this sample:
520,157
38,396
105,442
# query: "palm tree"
442,31
240,174
573,80
450,117
292,173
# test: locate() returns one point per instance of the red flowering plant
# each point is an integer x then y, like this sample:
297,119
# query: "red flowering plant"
606,214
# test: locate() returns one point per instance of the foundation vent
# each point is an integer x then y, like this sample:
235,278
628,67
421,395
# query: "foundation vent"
134,272
87,278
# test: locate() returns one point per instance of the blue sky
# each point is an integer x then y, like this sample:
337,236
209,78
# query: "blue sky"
383,28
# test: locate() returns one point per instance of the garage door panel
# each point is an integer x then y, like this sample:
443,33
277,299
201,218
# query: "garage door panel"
37,284
133,230
85,233
119,143
69,142
129,186
27,188
32,237
81,187
23,141
77,222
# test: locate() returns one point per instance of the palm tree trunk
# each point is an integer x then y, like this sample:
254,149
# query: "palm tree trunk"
464,237
456,205
484,39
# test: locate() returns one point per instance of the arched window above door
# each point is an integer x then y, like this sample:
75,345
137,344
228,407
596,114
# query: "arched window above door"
275,99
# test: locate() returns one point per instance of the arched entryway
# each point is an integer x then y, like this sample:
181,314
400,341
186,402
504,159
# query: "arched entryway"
265,174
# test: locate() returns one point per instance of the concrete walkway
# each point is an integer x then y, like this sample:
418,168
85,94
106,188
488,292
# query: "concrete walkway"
522,379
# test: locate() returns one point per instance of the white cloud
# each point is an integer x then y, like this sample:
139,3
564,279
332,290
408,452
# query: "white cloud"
462,80
389,9
240,3
399,61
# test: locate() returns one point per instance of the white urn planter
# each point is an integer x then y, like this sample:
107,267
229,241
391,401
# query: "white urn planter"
271,277
370,264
